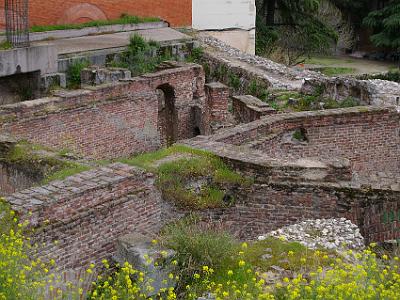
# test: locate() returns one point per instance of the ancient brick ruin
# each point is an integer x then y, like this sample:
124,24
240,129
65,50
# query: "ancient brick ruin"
321,164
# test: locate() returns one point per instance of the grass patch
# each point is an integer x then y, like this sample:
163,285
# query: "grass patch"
332,71
328,61
200,180
293,101
6,45
124,19
41,162
69,169
287,255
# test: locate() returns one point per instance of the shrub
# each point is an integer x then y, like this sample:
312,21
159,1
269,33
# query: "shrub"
74,73
199,245
5,45
258,89
196,55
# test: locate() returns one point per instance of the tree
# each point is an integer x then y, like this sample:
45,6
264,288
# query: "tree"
295,29
386,25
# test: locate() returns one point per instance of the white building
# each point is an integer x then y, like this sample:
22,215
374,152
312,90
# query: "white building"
232,21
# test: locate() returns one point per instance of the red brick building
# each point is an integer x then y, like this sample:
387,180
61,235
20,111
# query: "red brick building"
176,12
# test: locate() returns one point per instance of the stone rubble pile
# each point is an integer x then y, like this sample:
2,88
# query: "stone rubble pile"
332,234
373,92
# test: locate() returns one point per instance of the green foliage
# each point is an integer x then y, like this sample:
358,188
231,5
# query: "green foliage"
220,73
196,55
386,25
301,32
300,135
192,179
5,45
266,37
234,81
393,75
300,256
42,162
333,71
197,246
258,89
124,19
74,73
69,169
141,56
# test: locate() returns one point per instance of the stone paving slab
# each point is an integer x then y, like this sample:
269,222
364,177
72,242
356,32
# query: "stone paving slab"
114,40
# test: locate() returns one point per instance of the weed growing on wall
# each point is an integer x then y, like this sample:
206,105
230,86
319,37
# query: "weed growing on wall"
191,178
74,73
141,56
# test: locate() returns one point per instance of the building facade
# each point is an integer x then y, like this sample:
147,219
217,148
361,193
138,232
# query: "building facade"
232,21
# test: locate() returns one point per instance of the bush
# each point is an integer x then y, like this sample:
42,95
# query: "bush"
197,246
74,73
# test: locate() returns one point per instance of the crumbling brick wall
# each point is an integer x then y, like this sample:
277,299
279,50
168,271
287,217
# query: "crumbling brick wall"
267,207
367,136
112,120
86,213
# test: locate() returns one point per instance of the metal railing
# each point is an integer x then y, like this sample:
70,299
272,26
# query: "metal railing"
17,22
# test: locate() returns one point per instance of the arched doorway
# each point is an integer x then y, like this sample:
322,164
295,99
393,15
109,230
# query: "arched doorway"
167,115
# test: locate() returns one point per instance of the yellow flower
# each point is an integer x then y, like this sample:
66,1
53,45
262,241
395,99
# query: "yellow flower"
230,273
242,263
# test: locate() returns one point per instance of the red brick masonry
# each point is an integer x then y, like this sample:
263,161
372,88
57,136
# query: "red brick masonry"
177,12
112,120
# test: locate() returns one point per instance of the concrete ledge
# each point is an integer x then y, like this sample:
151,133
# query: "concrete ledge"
30,59
71,33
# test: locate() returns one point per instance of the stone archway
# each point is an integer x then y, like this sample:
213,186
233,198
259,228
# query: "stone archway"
167,115
81,13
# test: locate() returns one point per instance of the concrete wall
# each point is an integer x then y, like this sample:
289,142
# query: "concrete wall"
223,14
24,60
230,21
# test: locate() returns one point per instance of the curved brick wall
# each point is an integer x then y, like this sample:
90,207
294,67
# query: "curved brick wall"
367,136
176,12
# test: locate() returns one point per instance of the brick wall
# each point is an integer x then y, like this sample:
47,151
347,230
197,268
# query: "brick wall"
267,207
176,12
112,120
248,108
86,213
217,101
367,136
13,179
